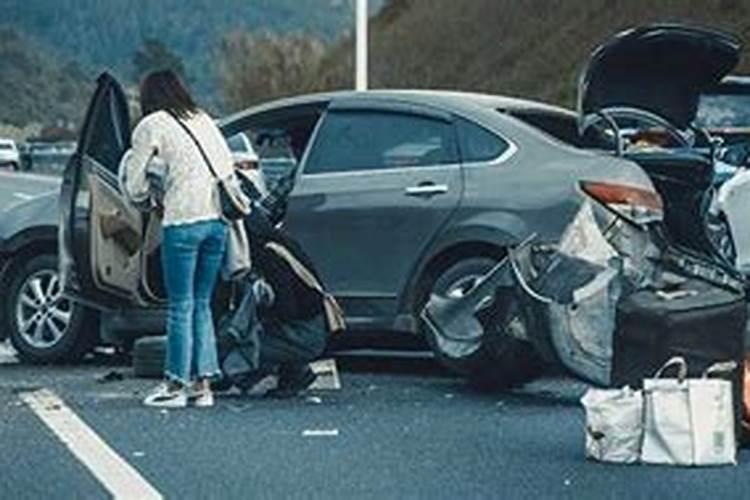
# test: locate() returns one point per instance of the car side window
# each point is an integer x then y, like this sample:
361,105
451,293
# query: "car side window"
479,144
107,142
350,141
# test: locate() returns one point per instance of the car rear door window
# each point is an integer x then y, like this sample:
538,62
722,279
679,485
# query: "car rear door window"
350,141
479,144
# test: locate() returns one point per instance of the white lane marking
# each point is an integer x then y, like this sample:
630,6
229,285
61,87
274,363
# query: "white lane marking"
23,196
7,355
115,474
320,433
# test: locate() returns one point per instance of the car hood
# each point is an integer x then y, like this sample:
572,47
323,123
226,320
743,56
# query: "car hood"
660,68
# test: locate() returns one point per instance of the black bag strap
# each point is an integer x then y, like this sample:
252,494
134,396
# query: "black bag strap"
197,144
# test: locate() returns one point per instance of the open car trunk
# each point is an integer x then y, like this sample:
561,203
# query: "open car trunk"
661,68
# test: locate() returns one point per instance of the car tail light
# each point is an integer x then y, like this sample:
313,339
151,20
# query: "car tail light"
635,204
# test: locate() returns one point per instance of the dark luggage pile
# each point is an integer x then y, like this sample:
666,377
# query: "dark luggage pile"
688,306
700,318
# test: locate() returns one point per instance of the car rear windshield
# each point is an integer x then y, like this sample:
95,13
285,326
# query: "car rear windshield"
723,110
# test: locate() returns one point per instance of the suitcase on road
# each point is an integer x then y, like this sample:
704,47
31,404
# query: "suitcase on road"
688,317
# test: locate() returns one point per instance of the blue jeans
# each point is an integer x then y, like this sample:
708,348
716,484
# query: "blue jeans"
191,259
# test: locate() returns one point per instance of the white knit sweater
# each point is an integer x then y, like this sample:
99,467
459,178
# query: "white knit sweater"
189,188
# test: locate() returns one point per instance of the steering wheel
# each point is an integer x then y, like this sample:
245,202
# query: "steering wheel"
614,117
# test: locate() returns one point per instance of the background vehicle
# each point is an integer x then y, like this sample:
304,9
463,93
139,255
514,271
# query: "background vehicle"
42,325
247,160
397,195
724,110
9,156
46,157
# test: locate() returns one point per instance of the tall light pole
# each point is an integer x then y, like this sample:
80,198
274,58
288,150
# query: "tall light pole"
360,69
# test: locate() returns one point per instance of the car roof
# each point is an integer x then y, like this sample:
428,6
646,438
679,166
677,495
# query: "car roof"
440,98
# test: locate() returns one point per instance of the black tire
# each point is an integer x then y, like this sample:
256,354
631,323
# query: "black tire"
501,361
149,354
47,338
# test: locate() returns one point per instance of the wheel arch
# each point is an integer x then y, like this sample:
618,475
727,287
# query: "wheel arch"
20,248
461,243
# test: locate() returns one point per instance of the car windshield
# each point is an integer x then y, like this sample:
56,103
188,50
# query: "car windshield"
5,146
237,143
723,111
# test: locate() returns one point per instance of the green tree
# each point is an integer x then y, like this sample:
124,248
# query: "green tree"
255,68
154,55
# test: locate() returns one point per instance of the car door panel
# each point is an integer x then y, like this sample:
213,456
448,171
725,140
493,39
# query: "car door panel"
116,241
375,221
372,221
100,252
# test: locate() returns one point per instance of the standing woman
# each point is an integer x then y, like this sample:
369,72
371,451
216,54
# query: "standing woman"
174,130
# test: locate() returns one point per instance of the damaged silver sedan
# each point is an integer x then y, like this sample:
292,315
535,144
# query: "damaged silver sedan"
637,101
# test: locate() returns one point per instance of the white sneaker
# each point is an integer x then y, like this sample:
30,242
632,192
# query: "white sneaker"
165,397
201,398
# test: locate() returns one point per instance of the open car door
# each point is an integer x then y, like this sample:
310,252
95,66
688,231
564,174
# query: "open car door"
101,240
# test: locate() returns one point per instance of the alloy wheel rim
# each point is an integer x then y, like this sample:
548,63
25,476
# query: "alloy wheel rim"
42,313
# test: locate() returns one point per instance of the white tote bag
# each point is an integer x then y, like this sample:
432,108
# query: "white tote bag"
688,421
613,424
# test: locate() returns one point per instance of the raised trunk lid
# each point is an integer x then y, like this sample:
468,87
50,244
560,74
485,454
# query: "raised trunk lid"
662,68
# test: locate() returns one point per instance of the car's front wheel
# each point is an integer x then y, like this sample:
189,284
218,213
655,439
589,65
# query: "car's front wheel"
44,326
501,360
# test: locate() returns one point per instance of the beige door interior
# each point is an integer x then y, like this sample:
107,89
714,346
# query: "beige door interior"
116,241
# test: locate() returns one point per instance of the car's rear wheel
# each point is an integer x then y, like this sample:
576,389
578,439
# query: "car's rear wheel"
44,326
501,360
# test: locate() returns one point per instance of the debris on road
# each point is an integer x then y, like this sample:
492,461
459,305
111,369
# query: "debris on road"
328,375
112,376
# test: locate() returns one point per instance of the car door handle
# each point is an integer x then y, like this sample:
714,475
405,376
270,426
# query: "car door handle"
426,190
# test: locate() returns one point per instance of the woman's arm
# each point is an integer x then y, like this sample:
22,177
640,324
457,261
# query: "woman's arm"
146,143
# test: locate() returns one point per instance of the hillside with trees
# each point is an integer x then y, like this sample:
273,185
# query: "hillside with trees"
526,48
35,87
101,34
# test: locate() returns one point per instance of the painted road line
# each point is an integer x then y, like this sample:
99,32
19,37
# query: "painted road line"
115,474
23,196
320,433
7,355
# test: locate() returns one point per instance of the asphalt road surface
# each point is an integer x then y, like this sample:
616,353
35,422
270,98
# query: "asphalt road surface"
16,187
397,428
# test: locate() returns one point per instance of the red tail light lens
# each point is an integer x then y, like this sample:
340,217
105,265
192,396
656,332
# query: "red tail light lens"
633,203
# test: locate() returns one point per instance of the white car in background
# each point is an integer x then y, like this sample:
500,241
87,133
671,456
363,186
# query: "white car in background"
246,159
9,155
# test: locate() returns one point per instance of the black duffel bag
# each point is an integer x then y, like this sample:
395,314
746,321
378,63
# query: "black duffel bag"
681,315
